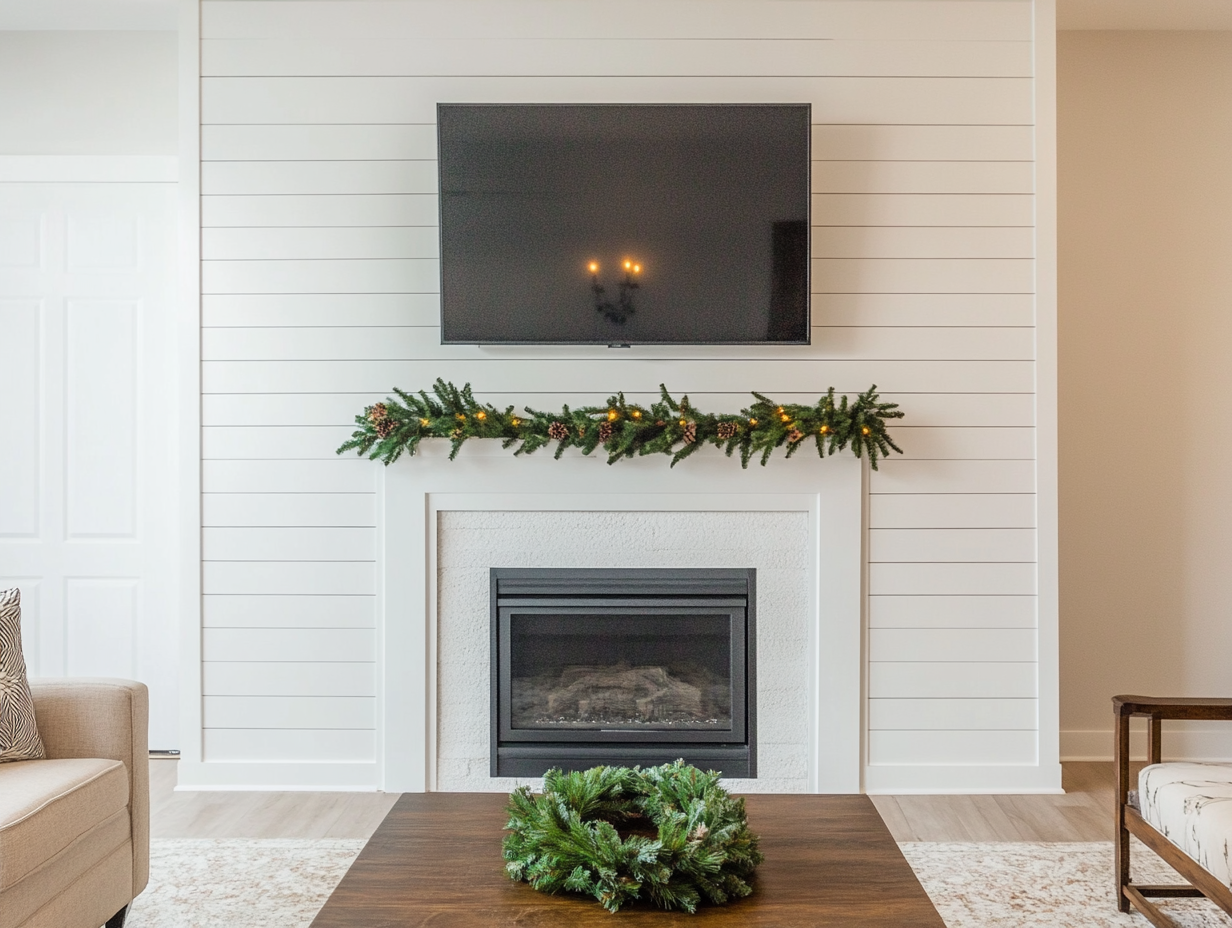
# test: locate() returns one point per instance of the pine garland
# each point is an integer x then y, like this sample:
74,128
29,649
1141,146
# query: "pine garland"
395,427
686,838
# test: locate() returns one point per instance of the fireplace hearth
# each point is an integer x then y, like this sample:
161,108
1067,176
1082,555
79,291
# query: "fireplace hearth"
622,666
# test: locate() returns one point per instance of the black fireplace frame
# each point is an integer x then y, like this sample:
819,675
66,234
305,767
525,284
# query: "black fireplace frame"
626,591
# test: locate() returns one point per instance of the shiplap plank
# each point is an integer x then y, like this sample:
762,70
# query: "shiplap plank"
264,178
288,745
827,209
886,310
349,310
946,410
829,275
913,209
316,210
901,475
924,680
342,475
288,712
920,275
951,612
297,409
380,276
599,56
701,376
317,243
417,343
314,645
319,143
320,577
929,545
951,578
968,20
418,142
951,510
372,242
892,310
275,443
923,143
369,100
979,645
956,444
296,610
288,543
953,714
916,242
951,747
285,442
290,509
922,177
268,678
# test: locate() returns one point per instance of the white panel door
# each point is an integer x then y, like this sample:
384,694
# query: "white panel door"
87,283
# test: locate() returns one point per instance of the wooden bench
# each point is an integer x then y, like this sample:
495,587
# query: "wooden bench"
1129,819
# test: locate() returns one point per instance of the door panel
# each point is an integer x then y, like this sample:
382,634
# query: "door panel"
87,287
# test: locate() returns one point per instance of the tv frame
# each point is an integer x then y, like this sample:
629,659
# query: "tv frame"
808,264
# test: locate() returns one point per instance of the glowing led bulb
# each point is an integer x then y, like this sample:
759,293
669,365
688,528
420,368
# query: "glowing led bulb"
594,267
628,265
612,415
637,269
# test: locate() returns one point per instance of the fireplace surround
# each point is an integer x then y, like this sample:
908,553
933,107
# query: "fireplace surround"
444,524
622,666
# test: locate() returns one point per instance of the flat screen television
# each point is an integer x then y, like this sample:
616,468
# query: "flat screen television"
624,224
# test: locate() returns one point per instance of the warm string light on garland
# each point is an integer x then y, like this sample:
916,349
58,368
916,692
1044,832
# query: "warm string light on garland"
389,429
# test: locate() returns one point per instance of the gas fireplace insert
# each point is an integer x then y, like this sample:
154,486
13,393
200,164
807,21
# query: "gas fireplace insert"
622,666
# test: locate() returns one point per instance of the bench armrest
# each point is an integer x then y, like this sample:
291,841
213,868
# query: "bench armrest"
98,717
1173,708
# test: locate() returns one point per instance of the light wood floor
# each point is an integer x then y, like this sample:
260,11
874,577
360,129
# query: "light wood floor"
1083,813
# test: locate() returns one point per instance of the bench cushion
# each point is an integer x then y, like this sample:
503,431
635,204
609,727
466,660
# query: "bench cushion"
46,805
1191,805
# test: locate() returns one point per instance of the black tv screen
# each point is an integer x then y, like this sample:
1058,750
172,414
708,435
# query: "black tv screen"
624,224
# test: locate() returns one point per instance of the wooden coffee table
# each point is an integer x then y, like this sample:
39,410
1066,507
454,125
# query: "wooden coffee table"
436,860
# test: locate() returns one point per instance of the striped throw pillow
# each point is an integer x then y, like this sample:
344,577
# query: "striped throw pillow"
19,737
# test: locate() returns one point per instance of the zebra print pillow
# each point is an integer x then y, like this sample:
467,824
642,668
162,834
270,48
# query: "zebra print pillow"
19,738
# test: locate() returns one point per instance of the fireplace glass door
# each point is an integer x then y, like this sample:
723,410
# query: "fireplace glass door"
621,671
622,667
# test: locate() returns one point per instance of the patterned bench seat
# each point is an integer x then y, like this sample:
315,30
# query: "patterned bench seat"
1181,811
1191,805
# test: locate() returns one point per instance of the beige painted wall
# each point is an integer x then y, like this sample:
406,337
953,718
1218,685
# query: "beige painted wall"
88,93
1145,204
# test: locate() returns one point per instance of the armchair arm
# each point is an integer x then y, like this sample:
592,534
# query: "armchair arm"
97,717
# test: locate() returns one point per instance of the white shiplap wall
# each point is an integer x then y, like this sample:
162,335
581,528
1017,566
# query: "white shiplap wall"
319,279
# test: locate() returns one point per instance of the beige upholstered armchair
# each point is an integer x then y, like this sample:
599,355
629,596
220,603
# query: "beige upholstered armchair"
75,826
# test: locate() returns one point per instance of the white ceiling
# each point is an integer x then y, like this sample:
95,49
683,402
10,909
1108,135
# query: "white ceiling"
138,15
1144,14
163,14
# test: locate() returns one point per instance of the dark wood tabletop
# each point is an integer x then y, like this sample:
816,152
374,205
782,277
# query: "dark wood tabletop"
436,860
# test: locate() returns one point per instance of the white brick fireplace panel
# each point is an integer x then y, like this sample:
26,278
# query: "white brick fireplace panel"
777,544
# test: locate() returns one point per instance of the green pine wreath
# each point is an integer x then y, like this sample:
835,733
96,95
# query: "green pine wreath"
670,834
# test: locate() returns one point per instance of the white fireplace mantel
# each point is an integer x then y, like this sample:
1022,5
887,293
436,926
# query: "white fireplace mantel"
486,478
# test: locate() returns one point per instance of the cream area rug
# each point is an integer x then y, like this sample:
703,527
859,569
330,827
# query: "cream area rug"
1043,886
283,884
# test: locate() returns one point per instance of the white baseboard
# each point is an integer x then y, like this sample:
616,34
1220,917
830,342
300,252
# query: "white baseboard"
291,777
89,169
1198,743
907,780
